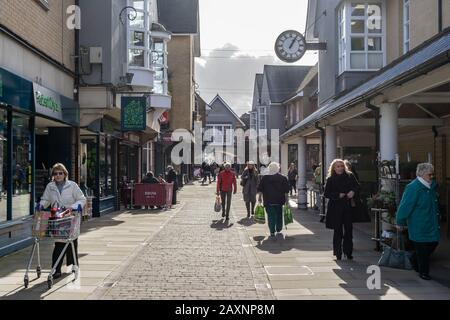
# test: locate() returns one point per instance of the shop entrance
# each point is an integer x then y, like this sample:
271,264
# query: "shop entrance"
53,145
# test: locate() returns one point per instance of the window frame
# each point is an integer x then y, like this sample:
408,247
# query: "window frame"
262,111
345,35
147,48
406,25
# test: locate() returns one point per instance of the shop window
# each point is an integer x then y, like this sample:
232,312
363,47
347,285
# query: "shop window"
102,175
21,166
3,164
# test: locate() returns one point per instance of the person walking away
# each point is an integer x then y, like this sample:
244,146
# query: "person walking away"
419,210
61,192
249,182
150,179
171,177
226,184
351,168
214,172
274,189
206,173
292,177
340,188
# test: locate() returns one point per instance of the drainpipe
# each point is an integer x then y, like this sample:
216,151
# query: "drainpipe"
322,142
376,112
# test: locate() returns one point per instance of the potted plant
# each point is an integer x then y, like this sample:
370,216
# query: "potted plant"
385,200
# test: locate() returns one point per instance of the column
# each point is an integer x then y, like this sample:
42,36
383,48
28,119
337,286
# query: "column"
284,158
301,183
388,131
330,145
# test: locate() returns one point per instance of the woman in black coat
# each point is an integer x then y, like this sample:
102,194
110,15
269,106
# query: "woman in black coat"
171,177
340,189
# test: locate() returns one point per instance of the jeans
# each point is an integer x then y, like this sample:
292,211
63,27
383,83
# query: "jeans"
59,247
226,202
421,256
251,210
275,217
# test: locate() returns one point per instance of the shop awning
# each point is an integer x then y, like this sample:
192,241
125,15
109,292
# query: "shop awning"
430,55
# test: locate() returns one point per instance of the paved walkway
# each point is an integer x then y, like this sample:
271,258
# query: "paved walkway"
191,253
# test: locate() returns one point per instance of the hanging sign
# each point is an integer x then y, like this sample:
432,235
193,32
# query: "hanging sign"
134,113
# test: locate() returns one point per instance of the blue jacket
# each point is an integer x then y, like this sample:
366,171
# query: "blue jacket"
419,209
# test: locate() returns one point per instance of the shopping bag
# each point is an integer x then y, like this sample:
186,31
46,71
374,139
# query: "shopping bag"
396,258
260,214
218,204
288,218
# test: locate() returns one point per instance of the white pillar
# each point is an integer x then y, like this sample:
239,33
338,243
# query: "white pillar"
330,145
284,158
388,131
301,183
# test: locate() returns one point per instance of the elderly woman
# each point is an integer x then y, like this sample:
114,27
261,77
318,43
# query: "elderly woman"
274,188
249,182
59,193
340,188
419,210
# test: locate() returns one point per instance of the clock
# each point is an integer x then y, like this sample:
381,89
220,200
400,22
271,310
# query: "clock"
290,46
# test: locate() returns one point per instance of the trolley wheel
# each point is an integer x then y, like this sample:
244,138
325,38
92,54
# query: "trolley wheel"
26,282
38,272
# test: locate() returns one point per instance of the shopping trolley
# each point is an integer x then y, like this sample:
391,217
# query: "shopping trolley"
64,226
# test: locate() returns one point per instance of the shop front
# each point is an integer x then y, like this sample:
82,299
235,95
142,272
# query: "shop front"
37,129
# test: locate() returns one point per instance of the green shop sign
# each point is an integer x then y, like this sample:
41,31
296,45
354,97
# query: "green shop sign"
47,102
134,113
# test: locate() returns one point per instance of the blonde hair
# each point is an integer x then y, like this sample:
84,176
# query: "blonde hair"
60,167
332,165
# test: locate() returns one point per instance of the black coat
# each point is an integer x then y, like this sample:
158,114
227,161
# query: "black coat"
338,207
172,178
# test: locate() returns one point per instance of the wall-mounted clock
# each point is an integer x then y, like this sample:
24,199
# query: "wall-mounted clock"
290,46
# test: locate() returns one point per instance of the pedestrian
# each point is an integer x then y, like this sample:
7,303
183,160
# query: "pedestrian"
419,210
340,188
226,184
292,177
206,168
249,182
171,177
59,193
351,167
214,172
274,188
18,178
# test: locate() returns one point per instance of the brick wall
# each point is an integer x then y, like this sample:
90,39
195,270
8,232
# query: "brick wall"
181,85
45,30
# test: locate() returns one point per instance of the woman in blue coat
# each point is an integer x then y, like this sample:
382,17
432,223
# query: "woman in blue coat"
419,210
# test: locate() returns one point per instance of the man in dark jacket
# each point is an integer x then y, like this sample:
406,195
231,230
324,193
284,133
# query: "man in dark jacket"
171,177
226,184
274,188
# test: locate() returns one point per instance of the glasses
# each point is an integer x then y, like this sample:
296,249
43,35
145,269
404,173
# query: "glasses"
58,174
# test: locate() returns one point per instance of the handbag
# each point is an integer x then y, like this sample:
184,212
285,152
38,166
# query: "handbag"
288,218
396,258
218,204
260,214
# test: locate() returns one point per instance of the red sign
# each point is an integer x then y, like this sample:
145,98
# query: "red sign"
164,119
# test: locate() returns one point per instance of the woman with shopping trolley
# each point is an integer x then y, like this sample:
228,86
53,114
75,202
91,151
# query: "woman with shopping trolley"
62,192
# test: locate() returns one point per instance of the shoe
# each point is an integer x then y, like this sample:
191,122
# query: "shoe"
338,258
223,215
425,277
57,275
349,257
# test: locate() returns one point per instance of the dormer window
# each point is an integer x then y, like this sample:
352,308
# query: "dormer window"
362,36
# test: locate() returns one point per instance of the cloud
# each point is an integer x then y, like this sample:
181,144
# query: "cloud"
230,72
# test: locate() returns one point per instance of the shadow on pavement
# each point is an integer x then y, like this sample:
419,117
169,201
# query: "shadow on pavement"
221,225
246,222
282,242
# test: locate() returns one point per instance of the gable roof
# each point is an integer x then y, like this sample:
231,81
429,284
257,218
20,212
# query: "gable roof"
259,83
283,81
218,97
179,16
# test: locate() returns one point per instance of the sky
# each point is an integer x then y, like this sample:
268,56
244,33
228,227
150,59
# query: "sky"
237,40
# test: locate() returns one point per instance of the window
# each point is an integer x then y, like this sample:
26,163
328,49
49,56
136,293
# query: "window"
361,36
139,35
159,62
406,24
262,118
3,164
254,121
219,134
21,166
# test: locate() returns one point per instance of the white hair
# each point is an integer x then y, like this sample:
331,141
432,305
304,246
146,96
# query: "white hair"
274,168
424,168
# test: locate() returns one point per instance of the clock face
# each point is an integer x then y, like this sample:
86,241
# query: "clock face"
290,46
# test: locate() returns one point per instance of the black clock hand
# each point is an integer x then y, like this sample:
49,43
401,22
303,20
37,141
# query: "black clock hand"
292,44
